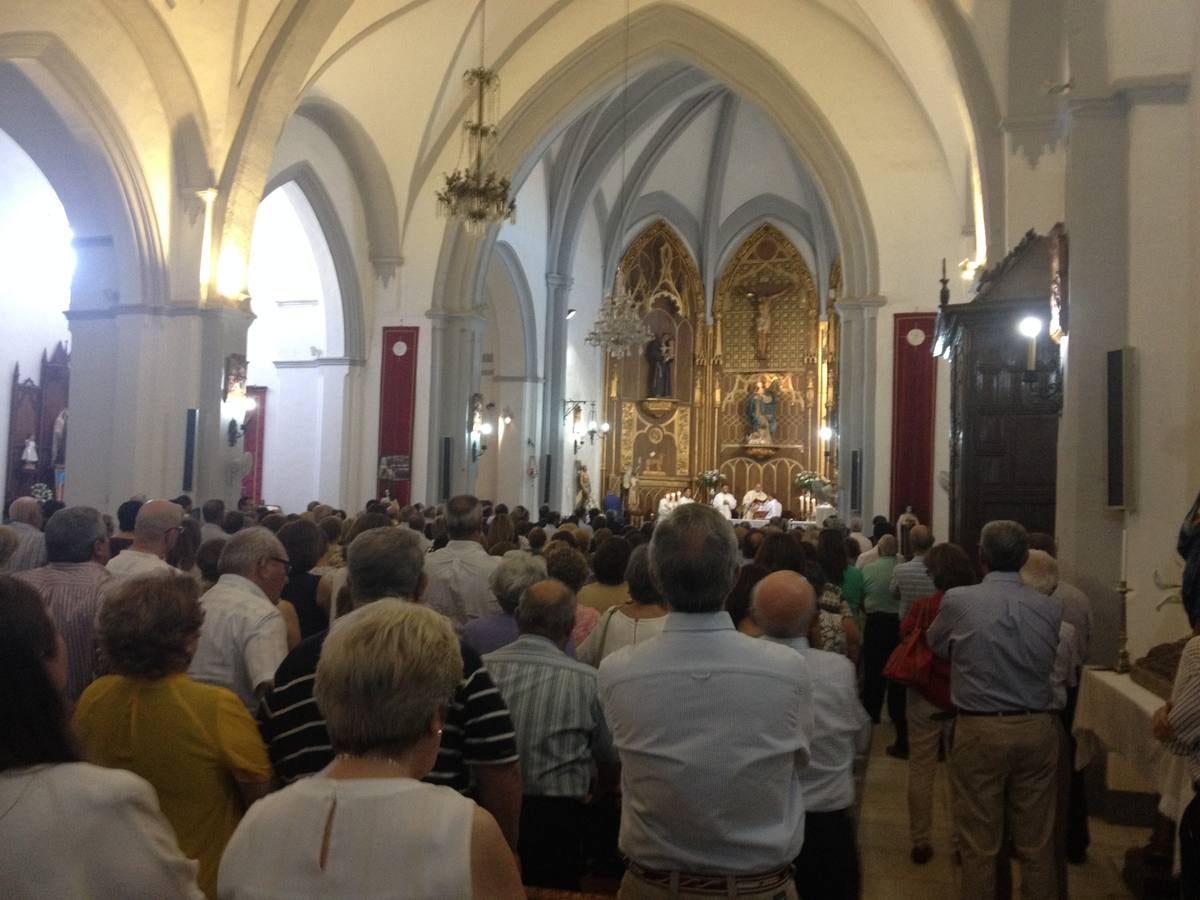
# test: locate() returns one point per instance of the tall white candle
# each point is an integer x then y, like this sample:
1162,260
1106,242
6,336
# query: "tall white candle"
1124,553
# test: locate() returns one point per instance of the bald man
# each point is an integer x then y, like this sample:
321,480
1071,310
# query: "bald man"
154,533
555,709
784,606
25,517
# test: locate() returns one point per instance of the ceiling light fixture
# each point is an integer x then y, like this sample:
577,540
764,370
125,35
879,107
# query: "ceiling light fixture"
479,198
619,328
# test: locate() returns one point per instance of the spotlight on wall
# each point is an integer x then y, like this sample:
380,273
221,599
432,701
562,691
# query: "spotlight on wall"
507,417
825,433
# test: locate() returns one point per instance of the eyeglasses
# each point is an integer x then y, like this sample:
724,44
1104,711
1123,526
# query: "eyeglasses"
287,566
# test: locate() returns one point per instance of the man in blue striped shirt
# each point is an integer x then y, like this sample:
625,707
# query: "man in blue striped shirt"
560,730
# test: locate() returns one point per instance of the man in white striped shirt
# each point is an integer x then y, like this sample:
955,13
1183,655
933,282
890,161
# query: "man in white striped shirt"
560,730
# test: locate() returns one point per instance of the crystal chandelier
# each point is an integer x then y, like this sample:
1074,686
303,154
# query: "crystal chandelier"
619,329
479,198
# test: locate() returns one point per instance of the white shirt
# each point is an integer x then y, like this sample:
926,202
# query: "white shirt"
841,728
78,830
866,558
773,508
712,728
683,498
129,563
211,531
242,641
388,837
615,630
724,503
458,582
1067,661
864,542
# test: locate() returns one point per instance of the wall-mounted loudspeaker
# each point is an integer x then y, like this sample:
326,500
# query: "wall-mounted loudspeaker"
447,458
856,481
1119,444
189,449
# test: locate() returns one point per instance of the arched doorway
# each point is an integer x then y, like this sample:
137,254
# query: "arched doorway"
296,350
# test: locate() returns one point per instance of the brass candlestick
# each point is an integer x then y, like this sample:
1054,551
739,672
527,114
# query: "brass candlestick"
1122,666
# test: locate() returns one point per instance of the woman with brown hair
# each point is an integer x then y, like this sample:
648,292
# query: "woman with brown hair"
930,712
114,842
194,742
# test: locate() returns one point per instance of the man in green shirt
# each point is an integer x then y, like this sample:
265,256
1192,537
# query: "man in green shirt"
881,637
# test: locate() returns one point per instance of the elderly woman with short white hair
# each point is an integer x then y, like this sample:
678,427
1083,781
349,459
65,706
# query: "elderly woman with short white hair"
366,825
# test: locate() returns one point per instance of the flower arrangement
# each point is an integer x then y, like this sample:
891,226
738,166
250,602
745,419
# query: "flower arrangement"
41,492
710,479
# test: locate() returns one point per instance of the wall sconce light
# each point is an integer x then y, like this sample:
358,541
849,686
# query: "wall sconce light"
480,428
507,417
1030,327
571,313
573,410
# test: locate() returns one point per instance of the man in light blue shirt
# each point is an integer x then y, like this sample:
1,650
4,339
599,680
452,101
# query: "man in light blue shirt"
1002,639
560,730
713,729
784,606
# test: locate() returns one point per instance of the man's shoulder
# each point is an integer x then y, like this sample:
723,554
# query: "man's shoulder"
828,663
302,659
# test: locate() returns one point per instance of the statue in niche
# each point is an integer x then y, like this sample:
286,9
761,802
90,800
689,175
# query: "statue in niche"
660,353
760,412
762,324
29,456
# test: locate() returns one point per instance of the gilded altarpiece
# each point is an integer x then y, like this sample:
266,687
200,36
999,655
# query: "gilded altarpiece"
745,394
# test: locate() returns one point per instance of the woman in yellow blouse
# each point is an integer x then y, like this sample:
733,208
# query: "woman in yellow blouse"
195,743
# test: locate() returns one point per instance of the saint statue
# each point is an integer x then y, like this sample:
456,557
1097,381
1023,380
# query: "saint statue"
29,456
760,413
58,446
762,325
583,486
660,353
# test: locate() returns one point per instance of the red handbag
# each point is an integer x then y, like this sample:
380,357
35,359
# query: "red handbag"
911,663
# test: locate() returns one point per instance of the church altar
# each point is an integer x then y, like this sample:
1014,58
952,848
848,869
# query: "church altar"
1114,714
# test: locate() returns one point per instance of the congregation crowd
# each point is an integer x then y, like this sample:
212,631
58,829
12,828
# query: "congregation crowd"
212,703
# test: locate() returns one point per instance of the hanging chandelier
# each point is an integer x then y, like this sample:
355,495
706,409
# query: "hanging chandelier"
619,329
477,196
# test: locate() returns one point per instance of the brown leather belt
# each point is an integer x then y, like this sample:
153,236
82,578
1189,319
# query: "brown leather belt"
1003,712
717,885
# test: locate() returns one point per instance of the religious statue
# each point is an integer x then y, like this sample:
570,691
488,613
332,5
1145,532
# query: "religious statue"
583,486
29,456
58,446
762,324
760,412
660,352
905,522
629,483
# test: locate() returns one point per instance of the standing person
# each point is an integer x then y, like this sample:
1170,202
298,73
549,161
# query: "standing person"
911,580
366,826
1002,640
213,513
784,606
114,843
724,502
639,619
880,639
710,760
194,742
930,710
752,499
1177,724
560,731
839,573
154,534
73,584
458,573
25,517
244,638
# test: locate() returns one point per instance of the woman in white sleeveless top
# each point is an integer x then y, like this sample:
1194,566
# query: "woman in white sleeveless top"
367,826
641,619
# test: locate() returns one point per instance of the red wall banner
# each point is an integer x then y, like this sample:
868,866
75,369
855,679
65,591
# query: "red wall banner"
397,409
914,390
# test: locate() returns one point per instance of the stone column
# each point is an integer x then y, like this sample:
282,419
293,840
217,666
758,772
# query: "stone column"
455,364
856,400
558,293
1089,534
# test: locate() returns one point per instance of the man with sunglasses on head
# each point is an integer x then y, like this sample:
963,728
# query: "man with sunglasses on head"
244,639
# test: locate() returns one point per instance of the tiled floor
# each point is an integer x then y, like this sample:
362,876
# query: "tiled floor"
889,874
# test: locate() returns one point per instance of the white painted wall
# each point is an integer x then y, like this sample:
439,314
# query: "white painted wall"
36,264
